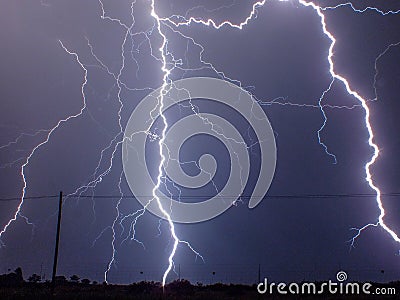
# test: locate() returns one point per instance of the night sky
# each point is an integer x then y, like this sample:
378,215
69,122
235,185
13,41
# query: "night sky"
280,57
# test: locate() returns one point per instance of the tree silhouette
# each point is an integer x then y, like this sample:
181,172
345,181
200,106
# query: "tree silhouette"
34,278
74,278
18,272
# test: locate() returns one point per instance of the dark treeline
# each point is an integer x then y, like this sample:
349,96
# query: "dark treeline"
14,286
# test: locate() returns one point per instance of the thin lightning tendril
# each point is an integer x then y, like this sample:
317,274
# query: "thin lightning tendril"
36,148
369,8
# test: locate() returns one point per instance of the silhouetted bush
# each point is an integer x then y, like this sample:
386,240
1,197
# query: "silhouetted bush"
61,280
180,286
74,278
34,278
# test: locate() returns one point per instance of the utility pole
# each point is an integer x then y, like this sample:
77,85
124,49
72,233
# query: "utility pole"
53,279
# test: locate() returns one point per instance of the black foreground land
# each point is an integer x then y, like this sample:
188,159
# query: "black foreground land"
13,286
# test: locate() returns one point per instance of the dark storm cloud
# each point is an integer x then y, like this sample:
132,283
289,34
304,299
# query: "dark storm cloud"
282,53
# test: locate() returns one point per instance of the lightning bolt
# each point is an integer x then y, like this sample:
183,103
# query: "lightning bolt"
368,8
18,212
163,92
380,221
368,126
178,21
376,65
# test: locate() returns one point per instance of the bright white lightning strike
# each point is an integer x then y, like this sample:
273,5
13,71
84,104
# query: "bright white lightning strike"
367,125
182,21
163,91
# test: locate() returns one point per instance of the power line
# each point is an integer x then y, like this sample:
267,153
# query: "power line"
28,198
234,197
